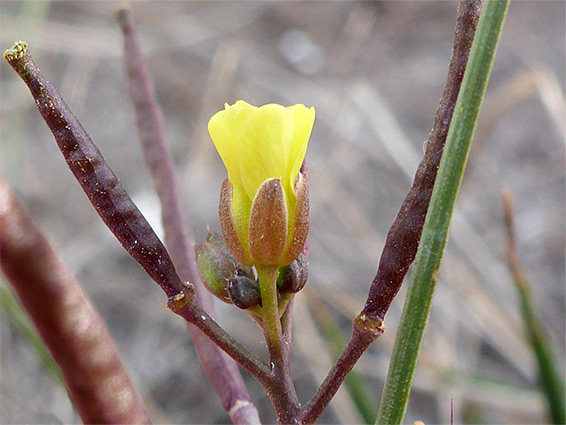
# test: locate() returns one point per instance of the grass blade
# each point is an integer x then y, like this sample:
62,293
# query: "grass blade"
435,232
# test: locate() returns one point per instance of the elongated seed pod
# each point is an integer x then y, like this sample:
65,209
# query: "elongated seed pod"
97,179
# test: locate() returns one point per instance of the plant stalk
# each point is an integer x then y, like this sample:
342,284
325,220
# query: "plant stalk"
281,390
221,370
404,235
435,231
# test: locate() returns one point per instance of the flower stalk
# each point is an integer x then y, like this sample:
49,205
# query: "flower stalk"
270,309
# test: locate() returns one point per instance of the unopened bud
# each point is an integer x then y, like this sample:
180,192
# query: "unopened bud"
217,265
244,292
292,278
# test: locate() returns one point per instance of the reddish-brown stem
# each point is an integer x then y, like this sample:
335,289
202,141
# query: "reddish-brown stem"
276,379
184,305
70,327
220,369
366,330
404,235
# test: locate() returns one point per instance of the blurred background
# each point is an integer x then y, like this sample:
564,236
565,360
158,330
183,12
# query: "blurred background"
374,71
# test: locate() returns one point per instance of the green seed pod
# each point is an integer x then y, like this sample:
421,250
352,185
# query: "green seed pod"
217,265
292,278
244,292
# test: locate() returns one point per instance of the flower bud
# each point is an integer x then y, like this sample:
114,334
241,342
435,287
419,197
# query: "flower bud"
292,278
244,292
217,265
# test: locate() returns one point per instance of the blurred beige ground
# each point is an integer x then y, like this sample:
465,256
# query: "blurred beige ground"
374,72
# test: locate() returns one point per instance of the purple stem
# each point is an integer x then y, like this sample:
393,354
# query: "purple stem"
221,370
365,331
183,305
70,327
404,235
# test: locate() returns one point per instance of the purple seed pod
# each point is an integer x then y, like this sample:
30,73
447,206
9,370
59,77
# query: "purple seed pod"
106,193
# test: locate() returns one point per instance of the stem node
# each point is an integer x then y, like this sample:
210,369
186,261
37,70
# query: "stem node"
368,324
179,301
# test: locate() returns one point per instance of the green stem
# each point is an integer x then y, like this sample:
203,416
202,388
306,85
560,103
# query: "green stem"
433,240
281,390
271,324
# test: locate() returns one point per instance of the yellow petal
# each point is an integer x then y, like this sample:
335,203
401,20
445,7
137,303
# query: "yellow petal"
265,145
224,128
304,121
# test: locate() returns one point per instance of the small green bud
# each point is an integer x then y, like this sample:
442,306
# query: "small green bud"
244,292
217,265
292,278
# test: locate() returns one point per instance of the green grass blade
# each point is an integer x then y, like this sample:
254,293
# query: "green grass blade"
551,382
12,310
355,382
433,240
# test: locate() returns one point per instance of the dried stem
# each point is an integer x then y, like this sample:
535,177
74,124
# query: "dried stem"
74,333
220,369
404,235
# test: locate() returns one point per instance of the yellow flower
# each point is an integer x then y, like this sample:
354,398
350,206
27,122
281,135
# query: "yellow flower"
263,150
